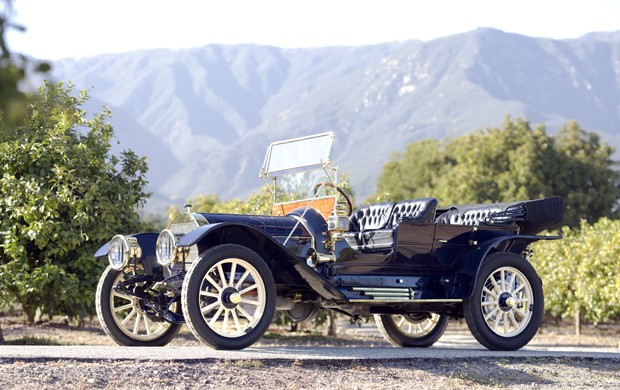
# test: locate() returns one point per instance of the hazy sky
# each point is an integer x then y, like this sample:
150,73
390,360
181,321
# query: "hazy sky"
79,28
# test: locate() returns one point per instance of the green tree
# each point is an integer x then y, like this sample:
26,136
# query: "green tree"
13,69
413,173
581,272
62,194
258,203
514,163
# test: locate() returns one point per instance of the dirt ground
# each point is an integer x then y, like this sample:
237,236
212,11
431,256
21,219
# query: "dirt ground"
478,373
551,333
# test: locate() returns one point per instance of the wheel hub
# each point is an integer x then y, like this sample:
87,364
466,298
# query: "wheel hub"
230,297
506,301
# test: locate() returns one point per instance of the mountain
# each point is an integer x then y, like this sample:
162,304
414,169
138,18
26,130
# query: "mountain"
204,116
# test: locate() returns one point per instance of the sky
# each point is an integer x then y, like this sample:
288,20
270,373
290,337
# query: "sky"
83,28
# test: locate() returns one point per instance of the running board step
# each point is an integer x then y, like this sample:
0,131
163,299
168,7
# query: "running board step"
391,295
386,293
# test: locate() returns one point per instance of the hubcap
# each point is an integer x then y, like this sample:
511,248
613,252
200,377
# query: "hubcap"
505,301
235,298
232,297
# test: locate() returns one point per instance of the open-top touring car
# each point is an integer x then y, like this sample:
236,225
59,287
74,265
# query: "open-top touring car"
410,264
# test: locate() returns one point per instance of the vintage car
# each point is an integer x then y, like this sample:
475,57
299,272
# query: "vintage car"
410,264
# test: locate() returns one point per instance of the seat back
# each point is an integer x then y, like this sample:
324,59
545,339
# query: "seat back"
488,214
371,217
419,210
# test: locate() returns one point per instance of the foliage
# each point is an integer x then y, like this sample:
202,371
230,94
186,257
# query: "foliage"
13,69
581,272
258,203
509,164
62,194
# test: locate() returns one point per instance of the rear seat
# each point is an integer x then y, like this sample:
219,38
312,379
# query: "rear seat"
373,225
483,214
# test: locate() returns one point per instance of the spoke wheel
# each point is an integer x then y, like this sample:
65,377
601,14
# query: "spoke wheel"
505,309
123,318
505,301
229,297
413,329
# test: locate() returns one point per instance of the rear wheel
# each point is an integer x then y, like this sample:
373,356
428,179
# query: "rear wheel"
506,306
123,317
229,297
413,329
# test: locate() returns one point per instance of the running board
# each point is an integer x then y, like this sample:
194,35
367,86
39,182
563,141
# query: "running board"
392,295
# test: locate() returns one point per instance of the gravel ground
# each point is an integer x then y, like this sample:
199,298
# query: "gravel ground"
471,373
480,373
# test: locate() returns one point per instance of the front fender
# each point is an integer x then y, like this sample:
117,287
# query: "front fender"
286,267
196,235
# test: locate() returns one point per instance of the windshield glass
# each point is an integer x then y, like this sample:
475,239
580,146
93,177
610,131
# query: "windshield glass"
302,185
298,155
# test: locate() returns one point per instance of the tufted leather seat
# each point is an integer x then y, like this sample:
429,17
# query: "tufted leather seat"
371,217
370,227
490,214
373,225
419,210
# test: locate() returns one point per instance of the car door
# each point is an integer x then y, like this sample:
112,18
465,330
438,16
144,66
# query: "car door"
449,244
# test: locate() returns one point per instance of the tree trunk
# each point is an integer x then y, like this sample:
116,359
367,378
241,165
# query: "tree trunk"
1,336
30,314
331,331
577,322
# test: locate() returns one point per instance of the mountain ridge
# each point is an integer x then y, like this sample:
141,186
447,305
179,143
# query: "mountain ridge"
204,116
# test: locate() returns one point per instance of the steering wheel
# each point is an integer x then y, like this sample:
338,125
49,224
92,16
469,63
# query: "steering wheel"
340,191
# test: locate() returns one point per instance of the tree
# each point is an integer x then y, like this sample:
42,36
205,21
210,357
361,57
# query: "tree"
259,203
581,272
12,72
413,173
13,69
514,163
62,194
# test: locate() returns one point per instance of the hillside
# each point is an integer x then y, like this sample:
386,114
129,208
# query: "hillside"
204,116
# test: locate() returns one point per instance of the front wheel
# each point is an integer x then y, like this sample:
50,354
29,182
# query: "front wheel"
413,329
229,297
123,316
505,309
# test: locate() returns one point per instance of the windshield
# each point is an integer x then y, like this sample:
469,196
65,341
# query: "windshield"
298,155
297,168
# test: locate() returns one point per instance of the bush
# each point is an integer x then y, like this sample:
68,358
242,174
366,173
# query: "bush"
62,195
581,272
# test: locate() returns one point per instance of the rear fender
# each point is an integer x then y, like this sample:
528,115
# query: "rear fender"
286,267
468,274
